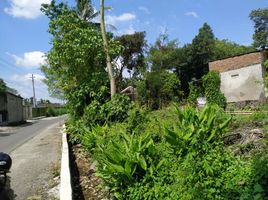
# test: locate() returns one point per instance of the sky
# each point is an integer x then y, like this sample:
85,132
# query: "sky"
24,39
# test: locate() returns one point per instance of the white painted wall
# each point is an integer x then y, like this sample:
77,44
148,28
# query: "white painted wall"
243,84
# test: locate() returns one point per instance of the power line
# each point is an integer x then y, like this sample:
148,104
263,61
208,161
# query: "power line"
11,66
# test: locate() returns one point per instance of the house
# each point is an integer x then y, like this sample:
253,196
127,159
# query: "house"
242,77
11,108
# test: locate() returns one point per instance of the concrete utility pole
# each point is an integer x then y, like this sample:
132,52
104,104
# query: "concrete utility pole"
34,100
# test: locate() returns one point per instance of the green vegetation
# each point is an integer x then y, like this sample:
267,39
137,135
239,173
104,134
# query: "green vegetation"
211,85
48,112
173,154
260,20
158,89
3,86
150,149
52,112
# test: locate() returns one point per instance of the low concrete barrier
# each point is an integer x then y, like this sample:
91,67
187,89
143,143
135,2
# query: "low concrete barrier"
65,174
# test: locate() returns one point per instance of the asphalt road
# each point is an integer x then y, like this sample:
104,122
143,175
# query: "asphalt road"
35,149
12,139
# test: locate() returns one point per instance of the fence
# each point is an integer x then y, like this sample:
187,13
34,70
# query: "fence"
38,112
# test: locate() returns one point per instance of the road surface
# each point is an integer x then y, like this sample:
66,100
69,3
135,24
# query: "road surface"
35,152
12,138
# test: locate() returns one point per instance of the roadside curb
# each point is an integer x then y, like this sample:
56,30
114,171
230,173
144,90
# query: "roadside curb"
65,177
37,118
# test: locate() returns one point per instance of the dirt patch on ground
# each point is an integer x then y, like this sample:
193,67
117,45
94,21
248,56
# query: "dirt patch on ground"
246,139
86,186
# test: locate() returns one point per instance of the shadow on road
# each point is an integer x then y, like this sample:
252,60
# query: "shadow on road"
7,193
23,124
4,134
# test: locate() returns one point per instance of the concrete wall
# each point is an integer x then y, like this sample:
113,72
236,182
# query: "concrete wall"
27,112
15,108
2,102
3,109
244,84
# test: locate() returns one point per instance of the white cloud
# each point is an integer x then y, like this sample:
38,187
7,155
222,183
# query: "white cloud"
30,59
130,30
192,14
26,78
144,9
23,84
29,9
121,18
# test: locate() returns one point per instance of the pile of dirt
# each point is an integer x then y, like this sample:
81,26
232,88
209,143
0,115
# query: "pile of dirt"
246,139
86,186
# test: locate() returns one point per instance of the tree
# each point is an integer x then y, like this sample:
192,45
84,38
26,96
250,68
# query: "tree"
107,51
85,10
161,54
132,57
76,62
202,51
182,63
53,10
3,86
158,89
11,90
260,20
226,48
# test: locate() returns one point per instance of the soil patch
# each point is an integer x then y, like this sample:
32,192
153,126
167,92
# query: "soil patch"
86,186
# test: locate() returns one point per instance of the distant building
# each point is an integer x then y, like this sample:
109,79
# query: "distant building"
242,77
11,108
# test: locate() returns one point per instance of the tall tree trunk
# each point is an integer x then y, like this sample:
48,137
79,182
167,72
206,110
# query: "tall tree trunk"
106,49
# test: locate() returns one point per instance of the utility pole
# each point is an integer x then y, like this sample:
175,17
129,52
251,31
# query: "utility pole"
34,100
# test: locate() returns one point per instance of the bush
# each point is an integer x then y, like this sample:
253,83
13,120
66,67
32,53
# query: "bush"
115,110
127,161
158,89
211,85
172,154
52,112
137,121
195,92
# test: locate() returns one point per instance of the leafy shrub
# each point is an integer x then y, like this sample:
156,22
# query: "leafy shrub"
126,161
117,109
211,84
194,93
172,154
92,115
92,137
196,140
52,112
194,130
137,120
158,89
258,181
75,128
114,110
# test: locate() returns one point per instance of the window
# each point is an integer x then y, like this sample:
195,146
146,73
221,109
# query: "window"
234,75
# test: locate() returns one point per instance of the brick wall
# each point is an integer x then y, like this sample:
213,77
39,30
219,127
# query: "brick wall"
236,62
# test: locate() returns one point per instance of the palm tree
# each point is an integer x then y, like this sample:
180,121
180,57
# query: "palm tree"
85,10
